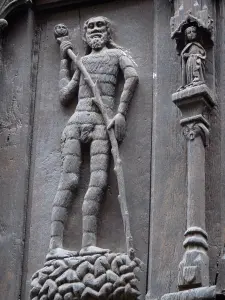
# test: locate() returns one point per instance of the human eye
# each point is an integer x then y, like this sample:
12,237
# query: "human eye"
100,24
91,25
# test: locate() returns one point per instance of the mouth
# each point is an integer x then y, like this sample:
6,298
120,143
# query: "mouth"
96,35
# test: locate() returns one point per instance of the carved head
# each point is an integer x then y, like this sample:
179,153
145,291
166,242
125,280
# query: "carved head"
191,33
97,32
60,30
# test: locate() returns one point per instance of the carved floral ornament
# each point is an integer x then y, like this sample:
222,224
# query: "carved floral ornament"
193,130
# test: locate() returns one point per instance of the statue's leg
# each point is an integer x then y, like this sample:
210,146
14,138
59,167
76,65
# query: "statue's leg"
99,158
71,161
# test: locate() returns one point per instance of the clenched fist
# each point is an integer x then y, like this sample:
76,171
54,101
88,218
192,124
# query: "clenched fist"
119,124
64,47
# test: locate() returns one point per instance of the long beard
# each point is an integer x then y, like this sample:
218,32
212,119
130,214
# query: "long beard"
97,42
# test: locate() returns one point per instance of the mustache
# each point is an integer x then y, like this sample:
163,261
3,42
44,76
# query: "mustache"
97,34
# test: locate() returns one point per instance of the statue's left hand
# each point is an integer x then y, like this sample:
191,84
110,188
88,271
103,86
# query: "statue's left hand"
119,124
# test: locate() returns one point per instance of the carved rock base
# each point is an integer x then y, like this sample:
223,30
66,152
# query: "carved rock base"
87,276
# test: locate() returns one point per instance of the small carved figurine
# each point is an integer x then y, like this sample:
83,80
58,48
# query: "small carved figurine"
102,61
193,59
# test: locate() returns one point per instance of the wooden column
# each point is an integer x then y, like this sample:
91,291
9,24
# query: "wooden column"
192,28
193,103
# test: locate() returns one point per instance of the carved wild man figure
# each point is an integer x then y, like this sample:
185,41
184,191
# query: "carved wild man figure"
103,60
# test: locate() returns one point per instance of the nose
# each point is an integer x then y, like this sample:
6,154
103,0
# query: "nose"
95,28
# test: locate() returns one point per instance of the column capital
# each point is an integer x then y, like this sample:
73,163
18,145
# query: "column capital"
193,130
195,103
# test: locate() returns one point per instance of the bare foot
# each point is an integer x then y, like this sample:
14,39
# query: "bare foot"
60,253
90,250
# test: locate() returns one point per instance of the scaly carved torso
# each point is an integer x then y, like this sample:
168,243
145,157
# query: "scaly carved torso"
103,67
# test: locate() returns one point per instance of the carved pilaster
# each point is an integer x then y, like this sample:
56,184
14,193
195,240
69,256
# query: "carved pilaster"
192,28
195,102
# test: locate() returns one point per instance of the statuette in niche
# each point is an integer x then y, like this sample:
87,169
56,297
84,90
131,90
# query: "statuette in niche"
193,58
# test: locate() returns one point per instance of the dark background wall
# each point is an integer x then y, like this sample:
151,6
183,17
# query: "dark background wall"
153,152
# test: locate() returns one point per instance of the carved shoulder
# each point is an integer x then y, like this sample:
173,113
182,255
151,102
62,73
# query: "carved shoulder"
127,65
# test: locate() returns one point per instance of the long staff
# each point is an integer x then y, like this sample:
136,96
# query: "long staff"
118,168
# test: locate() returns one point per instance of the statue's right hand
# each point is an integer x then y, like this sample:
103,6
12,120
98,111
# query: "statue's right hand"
64,47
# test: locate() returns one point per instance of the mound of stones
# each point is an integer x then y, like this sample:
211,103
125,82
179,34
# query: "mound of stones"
104,276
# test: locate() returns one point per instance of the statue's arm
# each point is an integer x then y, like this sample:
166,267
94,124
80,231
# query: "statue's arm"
67,86
130,84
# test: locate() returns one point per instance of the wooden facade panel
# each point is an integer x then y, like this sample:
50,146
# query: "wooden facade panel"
51,118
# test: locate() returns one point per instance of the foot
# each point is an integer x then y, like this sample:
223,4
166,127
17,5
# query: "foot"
180,88
59,253
91,250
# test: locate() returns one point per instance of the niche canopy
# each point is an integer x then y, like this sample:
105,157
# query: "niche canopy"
8,6
190,13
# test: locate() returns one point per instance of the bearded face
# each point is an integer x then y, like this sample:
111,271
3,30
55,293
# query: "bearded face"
96,33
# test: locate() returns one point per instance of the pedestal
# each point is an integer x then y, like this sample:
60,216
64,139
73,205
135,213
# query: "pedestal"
195,103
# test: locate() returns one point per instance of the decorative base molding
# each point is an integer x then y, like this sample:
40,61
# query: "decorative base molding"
194,267
193,270
220,285
203,293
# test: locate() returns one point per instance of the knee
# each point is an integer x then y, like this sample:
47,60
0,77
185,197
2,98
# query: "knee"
71,147
90,208
68,181
93,194
59,214
71,165
63,198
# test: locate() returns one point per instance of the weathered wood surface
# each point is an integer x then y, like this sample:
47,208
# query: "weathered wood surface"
15,114
50,120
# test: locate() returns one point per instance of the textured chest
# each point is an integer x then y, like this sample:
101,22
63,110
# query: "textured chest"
101,64
194,49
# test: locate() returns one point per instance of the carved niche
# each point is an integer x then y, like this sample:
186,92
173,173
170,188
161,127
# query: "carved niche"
7,6
192,28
